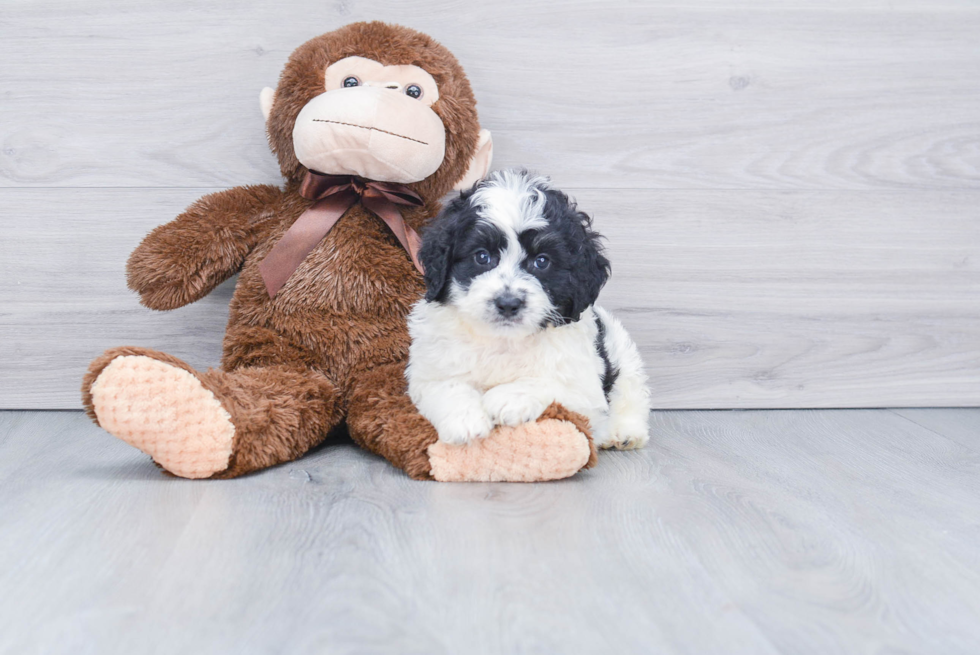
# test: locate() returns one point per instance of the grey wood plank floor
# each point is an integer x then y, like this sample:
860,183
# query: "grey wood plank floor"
797,531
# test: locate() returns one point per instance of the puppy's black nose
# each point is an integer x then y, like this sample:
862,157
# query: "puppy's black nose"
508,304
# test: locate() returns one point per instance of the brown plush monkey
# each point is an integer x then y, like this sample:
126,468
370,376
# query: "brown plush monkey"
372,125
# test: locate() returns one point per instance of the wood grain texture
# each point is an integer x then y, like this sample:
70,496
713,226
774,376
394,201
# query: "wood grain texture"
737,298
798,299
790,191
960,425
716,94
65,299
799,532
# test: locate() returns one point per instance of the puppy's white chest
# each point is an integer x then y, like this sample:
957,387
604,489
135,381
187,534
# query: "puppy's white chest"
562,355
562,361
496,362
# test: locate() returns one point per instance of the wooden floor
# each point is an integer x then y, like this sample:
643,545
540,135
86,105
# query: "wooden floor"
828,531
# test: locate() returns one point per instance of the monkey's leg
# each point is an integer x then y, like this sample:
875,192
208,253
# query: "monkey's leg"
555,446
217,424
382,419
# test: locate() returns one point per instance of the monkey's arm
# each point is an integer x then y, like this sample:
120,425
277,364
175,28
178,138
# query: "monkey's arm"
185,259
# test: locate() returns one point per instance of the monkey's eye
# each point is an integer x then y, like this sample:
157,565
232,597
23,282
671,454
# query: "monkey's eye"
482,257
351,81
542,262
413,91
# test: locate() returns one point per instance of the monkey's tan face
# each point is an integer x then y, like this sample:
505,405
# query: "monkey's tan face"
373,121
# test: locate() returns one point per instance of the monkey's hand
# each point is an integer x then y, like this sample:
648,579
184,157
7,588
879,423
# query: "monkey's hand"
185,259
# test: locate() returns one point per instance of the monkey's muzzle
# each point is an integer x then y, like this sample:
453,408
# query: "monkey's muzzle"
375,133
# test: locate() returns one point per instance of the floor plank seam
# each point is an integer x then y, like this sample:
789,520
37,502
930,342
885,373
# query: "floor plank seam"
928,429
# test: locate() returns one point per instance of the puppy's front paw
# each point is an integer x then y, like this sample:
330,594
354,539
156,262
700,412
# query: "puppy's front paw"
464,426
511,406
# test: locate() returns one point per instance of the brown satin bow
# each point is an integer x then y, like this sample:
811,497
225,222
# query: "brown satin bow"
334,195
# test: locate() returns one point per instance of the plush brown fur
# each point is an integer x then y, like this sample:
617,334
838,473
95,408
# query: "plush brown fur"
389,45
333,342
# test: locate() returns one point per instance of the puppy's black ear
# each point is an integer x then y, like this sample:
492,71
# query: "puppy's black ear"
436,253
592,268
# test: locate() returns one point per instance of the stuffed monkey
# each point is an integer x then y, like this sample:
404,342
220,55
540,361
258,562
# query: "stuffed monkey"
372,124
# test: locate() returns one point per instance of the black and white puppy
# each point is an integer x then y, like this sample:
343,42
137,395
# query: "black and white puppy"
508,326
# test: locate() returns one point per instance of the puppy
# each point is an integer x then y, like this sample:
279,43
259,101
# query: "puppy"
507,326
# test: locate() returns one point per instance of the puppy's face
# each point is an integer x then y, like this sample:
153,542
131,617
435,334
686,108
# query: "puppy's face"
513,255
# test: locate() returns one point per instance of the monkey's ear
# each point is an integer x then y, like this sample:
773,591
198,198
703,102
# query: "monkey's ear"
266,98
480,163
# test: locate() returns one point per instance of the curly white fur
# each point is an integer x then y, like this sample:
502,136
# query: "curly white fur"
466,381
472,367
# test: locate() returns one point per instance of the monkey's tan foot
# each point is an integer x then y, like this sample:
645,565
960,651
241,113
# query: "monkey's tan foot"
163,410
556,446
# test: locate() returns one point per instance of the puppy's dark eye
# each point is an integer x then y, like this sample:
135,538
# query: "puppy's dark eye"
414,91
482,257
542,262
351,81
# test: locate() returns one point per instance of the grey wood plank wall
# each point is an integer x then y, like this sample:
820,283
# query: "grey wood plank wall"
790,191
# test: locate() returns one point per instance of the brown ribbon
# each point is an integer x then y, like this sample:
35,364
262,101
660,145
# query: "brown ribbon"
334,195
